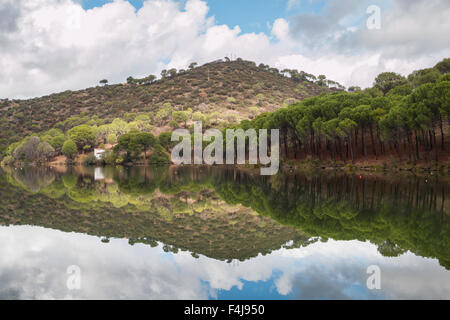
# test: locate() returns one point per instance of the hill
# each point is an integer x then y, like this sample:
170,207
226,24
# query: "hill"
227,91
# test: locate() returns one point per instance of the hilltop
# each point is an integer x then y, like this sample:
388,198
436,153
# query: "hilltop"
227,91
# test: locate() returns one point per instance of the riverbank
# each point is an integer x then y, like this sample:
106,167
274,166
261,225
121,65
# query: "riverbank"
377,166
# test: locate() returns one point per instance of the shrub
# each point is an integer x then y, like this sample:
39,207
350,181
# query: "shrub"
82,135
90,159
45,150
159,156
8,160
109,158
58,141
69,149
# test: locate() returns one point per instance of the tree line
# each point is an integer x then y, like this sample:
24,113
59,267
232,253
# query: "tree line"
397,116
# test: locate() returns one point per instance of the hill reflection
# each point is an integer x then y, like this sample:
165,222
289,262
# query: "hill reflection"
229,214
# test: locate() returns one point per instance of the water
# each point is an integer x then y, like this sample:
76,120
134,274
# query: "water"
219,233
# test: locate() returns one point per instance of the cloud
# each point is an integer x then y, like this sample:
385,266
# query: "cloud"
409,29
280,29
35,260
54,45
291,4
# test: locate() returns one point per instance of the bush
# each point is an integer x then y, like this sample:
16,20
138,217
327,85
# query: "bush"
8,160
69,149
109,158
58,141
112,139
159,156
90,159
46,151
83,136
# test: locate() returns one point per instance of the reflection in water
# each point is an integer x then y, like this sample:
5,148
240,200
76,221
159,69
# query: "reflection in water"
221,233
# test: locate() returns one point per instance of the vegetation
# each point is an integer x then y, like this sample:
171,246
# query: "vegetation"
398,117
193,219
402,118
204,89
211,211
69,149
132,146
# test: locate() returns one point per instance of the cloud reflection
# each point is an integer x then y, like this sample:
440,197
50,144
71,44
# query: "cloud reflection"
34,261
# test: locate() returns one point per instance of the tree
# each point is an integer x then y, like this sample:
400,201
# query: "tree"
172,72
83,136
150,79
253,111
162,114
46,151
112,139
386,81
146,140
193,65
198,116
354,89
180,116
345,128
28,149
57,142
321,80
362,115
423,76
104,82
135,142
69,149
165,140
118,127
215,116
443,66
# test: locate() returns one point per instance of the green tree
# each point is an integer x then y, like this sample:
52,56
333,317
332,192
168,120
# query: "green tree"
112,139
181,117
146,140
346,128
165,140
423,76
129,143
46,151
69,149
443,66
83,136
387,81
57,142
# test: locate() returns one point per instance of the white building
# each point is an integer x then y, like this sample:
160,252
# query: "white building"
98,153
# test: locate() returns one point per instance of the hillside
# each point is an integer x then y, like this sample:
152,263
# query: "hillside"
227,91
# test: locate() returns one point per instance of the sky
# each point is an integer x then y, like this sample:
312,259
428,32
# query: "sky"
48,46
34,263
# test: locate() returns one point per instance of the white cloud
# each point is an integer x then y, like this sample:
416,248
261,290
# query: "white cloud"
34,263
55,45
280,29
292,4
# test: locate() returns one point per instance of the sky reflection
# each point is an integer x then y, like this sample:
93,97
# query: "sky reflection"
34,261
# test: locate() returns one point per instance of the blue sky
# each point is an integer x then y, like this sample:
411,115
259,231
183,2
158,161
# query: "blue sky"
327,37
249,15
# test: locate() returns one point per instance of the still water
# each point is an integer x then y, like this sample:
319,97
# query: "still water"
220,233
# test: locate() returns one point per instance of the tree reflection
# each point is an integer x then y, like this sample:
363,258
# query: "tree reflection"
211,210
